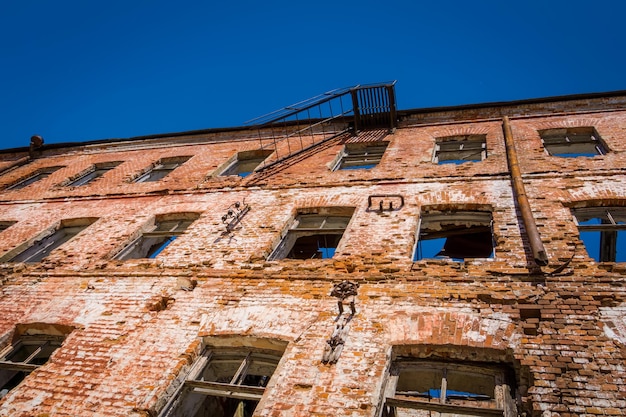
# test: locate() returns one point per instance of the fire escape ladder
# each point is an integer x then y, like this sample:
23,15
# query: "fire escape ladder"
303,126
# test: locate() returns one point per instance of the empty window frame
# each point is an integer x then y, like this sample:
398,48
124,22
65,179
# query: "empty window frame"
94,172
454,235
418,387
51,239
603,231
161,169
25,355
4,225
314,234
224,382
573,142
34,177
157,235
246,162
360,155
459,149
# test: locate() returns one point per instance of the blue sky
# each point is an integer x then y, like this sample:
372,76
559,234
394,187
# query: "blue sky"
84,70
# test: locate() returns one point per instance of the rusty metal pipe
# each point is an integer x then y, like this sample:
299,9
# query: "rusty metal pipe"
536,245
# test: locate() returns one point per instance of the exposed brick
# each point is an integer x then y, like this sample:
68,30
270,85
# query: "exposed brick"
139,324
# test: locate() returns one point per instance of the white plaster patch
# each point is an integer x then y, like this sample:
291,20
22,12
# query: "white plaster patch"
258,320
423,323
614,320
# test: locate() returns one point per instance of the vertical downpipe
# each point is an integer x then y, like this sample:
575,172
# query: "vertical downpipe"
536,245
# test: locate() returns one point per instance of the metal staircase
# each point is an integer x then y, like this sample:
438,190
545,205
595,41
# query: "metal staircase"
305,125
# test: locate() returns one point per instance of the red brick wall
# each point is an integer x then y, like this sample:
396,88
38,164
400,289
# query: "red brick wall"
136,331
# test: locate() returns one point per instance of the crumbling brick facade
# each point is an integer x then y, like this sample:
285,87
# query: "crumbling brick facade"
133,328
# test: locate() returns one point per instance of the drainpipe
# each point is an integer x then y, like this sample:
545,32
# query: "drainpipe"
36,142
539,252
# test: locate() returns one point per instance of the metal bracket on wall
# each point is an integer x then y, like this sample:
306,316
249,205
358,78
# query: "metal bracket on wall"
385,202
233,216
334,345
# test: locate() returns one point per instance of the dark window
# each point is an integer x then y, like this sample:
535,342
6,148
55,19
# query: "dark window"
245,162
459,149
314,235
34,177
157,236
5,225
447,388
28,353
224,382
161,169
48,241
93,173
361,155
573,142
454,235
603,231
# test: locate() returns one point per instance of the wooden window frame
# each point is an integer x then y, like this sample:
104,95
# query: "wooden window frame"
243,161
161,169
9,369
500,403
93,173
429,228
612,222
360,155
46,242
460,149
34,177
334,216
236,388
156,236
573,142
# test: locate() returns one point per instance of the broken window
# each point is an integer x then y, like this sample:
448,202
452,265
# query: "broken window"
454,235
27,353
360,155
5,225
572,142
161,169
417,387
37,249
603,231
94,172
314,234
34,177
157,235
245,162
460,148
224,382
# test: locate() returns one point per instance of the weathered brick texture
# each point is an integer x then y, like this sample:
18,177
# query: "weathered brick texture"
136,332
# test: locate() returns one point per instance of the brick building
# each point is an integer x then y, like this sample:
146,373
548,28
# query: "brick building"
369,262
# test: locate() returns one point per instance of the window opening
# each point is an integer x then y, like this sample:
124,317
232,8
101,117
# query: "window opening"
361,155
93,173
246,162
314,235
157,237
4,225
161,169
573,142
50,240
224,382
459,149
447,388
25,355
455,235
34,177
603,231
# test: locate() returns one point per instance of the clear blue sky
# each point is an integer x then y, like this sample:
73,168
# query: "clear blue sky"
86,69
